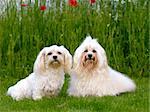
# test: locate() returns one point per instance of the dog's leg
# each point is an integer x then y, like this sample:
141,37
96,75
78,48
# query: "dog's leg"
36,95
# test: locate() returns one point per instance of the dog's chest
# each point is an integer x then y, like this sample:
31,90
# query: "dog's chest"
51,85
87,83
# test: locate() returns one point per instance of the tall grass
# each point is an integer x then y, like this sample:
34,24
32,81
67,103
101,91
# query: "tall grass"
123,32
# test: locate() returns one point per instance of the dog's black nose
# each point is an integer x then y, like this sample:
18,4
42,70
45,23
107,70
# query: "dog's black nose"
89,56
54,57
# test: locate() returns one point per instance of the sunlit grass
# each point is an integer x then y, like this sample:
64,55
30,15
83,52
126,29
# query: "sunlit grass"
129,102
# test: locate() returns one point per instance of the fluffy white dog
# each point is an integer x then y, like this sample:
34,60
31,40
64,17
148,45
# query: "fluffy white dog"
91,74
48,75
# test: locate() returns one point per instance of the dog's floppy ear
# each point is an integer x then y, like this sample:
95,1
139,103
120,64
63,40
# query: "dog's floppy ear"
102,57
67,60
39,65
76,58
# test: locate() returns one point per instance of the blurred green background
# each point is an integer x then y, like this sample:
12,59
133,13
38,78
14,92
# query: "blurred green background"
122,28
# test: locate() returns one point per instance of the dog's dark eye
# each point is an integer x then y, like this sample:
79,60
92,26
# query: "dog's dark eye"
86,50
94,51
50,53
59,52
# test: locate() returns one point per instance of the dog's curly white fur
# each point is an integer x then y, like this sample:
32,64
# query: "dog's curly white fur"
48,75
91,74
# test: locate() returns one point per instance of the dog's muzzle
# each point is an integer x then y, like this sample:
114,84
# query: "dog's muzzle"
89,57
55,61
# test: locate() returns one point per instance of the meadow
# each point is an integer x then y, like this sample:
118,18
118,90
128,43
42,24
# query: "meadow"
121,28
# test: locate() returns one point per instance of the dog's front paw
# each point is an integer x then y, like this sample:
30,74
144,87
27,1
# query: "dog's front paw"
37,97
17,97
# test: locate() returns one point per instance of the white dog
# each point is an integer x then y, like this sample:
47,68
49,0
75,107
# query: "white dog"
91,74
48,75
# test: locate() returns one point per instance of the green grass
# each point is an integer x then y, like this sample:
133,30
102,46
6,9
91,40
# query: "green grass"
124,33
127,102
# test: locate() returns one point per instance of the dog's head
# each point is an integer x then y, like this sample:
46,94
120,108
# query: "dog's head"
90,55
53,57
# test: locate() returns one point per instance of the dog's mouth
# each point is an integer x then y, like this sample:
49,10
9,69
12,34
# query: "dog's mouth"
89,63
55,63
89,59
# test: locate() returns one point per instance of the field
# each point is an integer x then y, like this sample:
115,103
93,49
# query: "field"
128,102
121,28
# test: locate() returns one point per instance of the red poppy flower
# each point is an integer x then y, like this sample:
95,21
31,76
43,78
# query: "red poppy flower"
73,3
92,1
24,5
43,7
